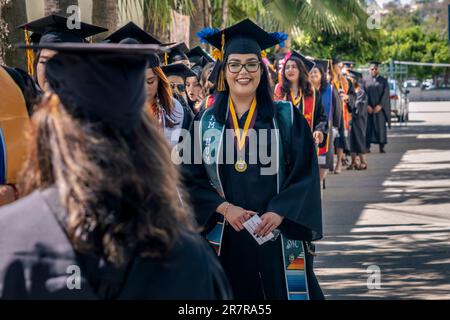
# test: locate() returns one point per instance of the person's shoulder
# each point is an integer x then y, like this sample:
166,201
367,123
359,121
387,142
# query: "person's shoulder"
28,221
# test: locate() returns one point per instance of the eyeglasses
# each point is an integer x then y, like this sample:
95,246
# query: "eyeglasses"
179,87
251,67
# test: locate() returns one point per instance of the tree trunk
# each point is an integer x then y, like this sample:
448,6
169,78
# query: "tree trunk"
224,14
13,13
162,34
105,13
58,6
198,22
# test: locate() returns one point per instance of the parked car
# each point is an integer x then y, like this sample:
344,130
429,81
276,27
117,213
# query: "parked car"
399,101
411,84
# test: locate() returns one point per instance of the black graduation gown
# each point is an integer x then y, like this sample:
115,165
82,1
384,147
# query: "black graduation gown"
359,123
336,106
256,272
377,90
35,255
320,122
343,142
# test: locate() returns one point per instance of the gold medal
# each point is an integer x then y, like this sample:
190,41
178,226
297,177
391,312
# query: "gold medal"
241,166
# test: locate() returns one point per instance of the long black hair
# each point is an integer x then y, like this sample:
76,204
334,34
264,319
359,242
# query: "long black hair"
303,79
264,96
323,82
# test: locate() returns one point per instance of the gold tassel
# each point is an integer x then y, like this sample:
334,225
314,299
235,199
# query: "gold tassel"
30,54
221,80
166,58
263,54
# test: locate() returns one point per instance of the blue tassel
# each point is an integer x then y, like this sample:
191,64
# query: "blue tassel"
281,37
205,33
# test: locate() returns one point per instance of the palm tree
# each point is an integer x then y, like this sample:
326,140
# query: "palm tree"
105,13
157,14
58,6
13,13
291,16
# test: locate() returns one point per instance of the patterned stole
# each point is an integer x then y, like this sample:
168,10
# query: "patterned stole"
211,140
308,105
327,99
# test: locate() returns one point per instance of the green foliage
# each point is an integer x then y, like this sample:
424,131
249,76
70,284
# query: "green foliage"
411,44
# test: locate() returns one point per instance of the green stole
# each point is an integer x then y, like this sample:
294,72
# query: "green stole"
211,135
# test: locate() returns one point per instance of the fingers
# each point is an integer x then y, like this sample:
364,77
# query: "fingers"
267,229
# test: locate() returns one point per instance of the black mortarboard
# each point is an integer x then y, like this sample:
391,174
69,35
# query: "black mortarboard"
198,68
178,69
100,82
355,75
131,30
178,52
153,60
309,64
323,64
375,63
54,29
336,59
243,37
196,54
348,64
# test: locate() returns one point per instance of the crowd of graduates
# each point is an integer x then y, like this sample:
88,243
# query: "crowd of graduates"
87,140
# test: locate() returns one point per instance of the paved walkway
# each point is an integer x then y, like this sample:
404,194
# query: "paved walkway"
395,216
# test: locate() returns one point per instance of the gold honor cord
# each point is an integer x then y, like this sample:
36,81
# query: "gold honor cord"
296,101
240,165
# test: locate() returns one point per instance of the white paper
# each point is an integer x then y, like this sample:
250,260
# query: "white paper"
251,224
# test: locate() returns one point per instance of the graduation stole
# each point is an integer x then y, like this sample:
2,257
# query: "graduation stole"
345,113
211,140
14,125
327,99
308,106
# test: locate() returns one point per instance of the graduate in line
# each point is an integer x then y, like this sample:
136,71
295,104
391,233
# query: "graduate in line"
53,29
359,124
348,97
379,109
321,80
128,234
161,105
231,183
297,89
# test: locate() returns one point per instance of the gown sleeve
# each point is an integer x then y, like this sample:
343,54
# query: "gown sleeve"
203,196
337,108
320,115
299,200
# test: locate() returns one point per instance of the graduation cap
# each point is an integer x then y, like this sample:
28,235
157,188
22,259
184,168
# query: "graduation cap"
244,37
133,31
336,59
177,52
348,64
355,75
197,70
309,64
100,82
375,63
178,69
54,28
197,54
323,64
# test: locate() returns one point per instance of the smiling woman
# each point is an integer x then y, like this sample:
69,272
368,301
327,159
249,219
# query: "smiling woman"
226,195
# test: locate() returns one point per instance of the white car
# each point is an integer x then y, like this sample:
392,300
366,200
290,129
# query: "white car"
399,101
